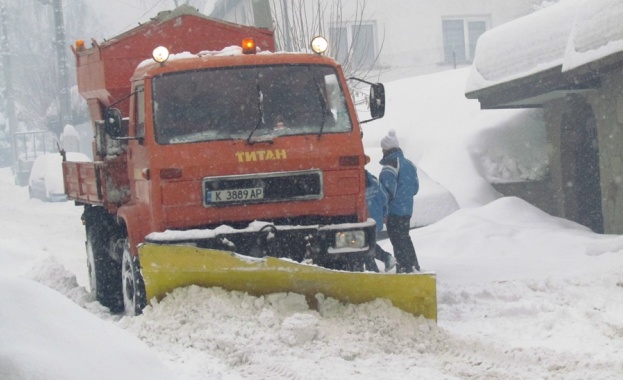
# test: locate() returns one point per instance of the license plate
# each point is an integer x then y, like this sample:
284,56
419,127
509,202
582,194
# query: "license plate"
234,195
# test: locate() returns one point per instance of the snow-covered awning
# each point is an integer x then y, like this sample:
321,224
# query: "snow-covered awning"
597,36
561,49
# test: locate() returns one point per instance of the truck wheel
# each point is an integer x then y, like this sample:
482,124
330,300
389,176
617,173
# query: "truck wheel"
134,298
104,272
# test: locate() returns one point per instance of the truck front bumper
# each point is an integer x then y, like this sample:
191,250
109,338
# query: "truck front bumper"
338,246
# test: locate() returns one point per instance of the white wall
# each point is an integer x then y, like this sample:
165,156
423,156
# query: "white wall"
409,32
413,28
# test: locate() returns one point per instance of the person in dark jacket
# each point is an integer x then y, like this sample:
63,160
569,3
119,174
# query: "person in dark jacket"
399,180
376,200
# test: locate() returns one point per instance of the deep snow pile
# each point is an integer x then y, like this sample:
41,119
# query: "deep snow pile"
44,335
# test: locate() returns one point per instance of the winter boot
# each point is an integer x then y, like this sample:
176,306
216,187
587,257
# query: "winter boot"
390,263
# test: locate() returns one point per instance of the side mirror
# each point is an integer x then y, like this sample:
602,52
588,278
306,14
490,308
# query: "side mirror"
112,122
377,101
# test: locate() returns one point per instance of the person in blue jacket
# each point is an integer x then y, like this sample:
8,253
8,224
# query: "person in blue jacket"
399,180
376,200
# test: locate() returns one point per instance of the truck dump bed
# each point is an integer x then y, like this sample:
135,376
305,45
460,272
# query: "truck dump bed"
97,183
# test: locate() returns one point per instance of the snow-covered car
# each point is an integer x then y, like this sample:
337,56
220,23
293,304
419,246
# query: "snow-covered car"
46,176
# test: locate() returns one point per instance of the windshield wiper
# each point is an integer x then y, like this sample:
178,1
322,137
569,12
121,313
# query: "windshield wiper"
323,103
260,110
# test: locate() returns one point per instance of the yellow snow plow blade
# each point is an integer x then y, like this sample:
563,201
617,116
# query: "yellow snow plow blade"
166,267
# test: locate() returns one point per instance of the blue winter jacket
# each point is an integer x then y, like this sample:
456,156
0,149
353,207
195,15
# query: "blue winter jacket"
399,180
376,200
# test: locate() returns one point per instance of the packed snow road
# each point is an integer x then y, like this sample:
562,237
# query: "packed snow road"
521,296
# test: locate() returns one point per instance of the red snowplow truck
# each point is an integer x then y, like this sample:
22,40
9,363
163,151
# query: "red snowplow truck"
222,163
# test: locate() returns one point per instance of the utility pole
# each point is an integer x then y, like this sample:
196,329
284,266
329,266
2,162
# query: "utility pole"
64,111
8,83
286,20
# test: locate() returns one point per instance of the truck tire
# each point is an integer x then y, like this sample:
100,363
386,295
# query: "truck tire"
134,297
104,271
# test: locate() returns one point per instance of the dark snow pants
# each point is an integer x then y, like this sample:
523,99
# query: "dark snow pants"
398,231
379,254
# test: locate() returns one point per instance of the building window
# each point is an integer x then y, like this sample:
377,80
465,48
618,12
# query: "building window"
460,37
354,43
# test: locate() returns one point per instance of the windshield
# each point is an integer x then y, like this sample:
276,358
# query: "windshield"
237,103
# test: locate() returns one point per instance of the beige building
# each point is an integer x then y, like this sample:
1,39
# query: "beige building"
566,59
398,38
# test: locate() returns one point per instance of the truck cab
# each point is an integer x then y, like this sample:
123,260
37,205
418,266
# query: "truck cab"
227,138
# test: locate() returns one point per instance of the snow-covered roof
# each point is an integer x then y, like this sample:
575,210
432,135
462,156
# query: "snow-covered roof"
569,35
597,33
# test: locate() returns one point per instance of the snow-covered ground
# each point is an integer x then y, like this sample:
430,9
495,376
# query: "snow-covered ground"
521,294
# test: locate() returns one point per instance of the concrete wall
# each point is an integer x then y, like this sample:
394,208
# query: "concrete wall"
538,193
608,105
547,194
565,201
553,115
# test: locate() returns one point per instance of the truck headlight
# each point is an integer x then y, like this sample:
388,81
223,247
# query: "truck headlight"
350,239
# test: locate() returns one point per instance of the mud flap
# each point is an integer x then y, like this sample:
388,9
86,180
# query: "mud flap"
166,267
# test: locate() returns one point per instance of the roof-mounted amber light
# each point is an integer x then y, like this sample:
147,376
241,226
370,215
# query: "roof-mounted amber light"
248,46
160,54
79,45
